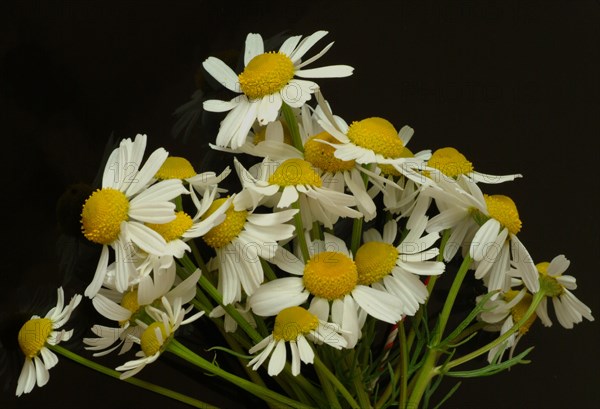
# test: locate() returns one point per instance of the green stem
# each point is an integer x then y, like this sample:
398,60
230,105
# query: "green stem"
356,233
403,365
183,352
290,119
330,394
537,298
198,257
134,381
358,382
300,232
321,367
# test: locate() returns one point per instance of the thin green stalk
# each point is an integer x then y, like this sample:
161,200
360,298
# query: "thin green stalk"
356,233
401,372
290,119
328,389
134,381
300,232
198,257
268,395
358,381
321,367
537,298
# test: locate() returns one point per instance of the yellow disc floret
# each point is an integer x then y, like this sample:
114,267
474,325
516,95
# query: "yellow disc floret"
374,260
503,209
321,155
175,167
550,285
519,310
102,215
149,342
229,229
266,74
330,275
33,335
450,162
294,172
175,228
378,135
292,322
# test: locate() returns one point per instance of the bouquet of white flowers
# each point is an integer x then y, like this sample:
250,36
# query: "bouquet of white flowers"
315,254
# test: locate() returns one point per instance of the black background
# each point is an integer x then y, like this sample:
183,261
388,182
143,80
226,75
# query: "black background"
513,85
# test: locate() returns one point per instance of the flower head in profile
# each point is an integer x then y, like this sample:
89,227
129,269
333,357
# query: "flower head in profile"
268,80
295,326
33,337
558,286
156,335
115,215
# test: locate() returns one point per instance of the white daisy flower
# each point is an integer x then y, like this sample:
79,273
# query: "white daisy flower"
127,307
451,163
330,276
568,308
295,326
395,269
115,214
241,241
280,184
175,167
266,82
33,337
155,337
502,313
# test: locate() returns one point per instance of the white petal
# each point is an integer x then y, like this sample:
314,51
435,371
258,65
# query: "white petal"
558,265
222,73
216,105
306,45
289,45
135,182
110,309
254,47
277,361
98,280
295,358
378,304
331,71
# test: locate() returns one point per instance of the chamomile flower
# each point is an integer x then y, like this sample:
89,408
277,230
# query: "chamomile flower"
241,241
175,167
568,308
33,337
156,336
282,183
295,326
395,269
126,308
451,163
266,82
502,313
330,279
114,215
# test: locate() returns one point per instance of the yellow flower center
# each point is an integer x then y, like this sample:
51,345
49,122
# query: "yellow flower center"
130,301
374,260
294,172
519,310
175,228
175,167
33,335
389,169
322,156
503,209
378,135
550,284
330,275
102,215
450,162
149,342
225,232
261,135
266,74
292,322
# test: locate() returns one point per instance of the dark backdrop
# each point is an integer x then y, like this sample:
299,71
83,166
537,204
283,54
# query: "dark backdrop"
514,86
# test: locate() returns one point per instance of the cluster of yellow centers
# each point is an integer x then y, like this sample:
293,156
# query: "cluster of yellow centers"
551,286
330,275
321,155
102,215
503,209
376,134
292,322
175,167
519,310
266,74
450,162
149,342
175,228
375,260
294,172
229,229
33,335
